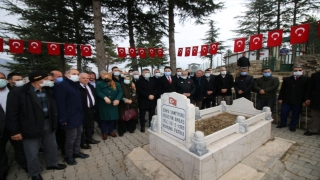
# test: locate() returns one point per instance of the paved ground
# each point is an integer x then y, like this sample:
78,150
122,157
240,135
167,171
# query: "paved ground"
106,158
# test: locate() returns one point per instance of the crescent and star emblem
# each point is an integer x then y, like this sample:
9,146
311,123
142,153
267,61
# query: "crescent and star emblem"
195,49
53,46
131,50
151,51
18,44
298,29
69,47
239,42
204,48
141,51
86,49
34,43
275,33
121,51
188,50
256,42
160,51
213,46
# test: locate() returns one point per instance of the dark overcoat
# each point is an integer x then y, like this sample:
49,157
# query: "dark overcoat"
146,88
84,98
128,93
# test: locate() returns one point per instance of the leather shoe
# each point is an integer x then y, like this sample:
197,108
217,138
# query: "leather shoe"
38,177
112,134
81,155
70,160
131,131
120,134
85,146
292,129
280,126
104,137
142,130
93,142
308,133
57,167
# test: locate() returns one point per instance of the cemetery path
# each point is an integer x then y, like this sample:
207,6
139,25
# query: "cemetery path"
106,158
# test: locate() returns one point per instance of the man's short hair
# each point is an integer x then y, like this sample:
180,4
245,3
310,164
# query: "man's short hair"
135,72
208,69
91,72
67,72
200,71
145,69
167,67
178,68
3,74
130,70
244,68
297,66
114,67
10,75
265,69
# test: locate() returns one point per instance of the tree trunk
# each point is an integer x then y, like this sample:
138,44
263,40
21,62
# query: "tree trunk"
77,34
98,34
278,14
134,62
172,47
211,60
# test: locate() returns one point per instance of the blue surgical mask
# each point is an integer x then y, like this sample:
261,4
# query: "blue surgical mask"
167,73
243,73
267,74
3,83
147,75
59,79
116,73
126,81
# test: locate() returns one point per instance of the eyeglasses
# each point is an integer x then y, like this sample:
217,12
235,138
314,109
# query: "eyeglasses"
296,70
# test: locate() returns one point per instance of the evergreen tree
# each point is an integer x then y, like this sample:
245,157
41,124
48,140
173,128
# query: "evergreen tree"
313,45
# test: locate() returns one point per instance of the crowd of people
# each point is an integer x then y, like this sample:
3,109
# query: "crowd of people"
55,110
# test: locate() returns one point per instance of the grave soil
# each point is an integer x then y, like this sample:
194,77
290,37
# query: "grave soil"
215,123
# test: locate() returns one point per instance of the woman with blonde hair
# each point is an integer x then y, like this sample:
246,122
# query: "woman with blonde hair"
109,94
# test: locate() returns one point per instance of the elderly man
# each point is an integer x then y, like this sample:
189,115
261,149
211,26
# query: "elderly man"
32,119
243,84
186,86
136,76
68,97
57,76
201,89
224,84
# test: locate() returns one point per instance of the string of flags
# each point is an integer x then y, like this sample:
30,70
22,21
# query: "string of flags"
142,52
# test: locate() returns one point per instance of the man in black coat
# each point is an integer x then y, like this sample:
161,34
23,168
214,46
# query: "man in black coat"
31,117
211,89
178,73
14,80
243,61
116,75
156,76
186,86
167,83
201,89
243,84
147,91
292,96
224,83
88,97
313,99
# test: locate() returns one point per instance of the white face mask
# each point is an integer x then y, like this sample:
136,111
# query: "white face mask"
130,74
74,78
157,74
19,83
47,83
298,73
179,73
116,73
122,75
184,77
147,75
136,76
207,74
126,81
223,72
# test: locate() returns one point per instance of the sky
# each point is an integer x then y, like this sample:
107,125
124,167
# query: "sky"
187,34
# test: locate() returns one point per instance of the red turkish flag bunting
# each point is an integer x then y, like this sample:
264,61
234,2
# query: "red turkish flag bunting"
16,46
152,53
214,48
299,34
85,50
194,50
1,45
132,52
239,44
69,49
180,51
204,50
142,52
255,42
187,53
53,49
319,29
160,52
275,38
35,47
122,52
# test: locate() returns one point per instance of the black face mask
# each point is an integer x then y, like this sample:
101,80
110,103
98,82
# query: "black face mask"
106,80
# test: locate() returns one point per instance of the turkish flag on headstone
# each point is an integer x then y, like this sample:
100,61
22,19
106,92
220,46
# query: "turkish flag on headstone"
160,52
85,50
16,46
204,50
319,29
132,52
35,47
142,52
53,49
180,50
69,49
299,34
275,38
255,42
239,44
151,52
194,50
187,53
214,48
121,52
1,44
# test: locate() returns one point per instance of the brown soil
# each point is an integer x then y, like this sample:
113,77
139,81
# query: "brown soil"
215,123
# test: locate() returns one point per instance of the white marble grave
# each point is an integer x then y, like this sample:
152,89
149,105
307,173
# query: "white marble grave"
193,156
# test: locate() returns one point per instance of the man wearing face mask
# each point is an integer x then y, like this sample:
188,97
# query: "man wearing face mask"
167,83
130,73
243,84
178,74
201,85
266,88
292,96
211,89
116,75
14,80
186,86
38,126
57,76
224,84
136,76
147,91
68,97
156,77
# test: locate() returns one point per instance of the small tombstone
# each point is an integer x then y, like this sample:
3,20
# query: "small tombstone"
223,105
197,113
199,145
243,126
154,123
268,113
